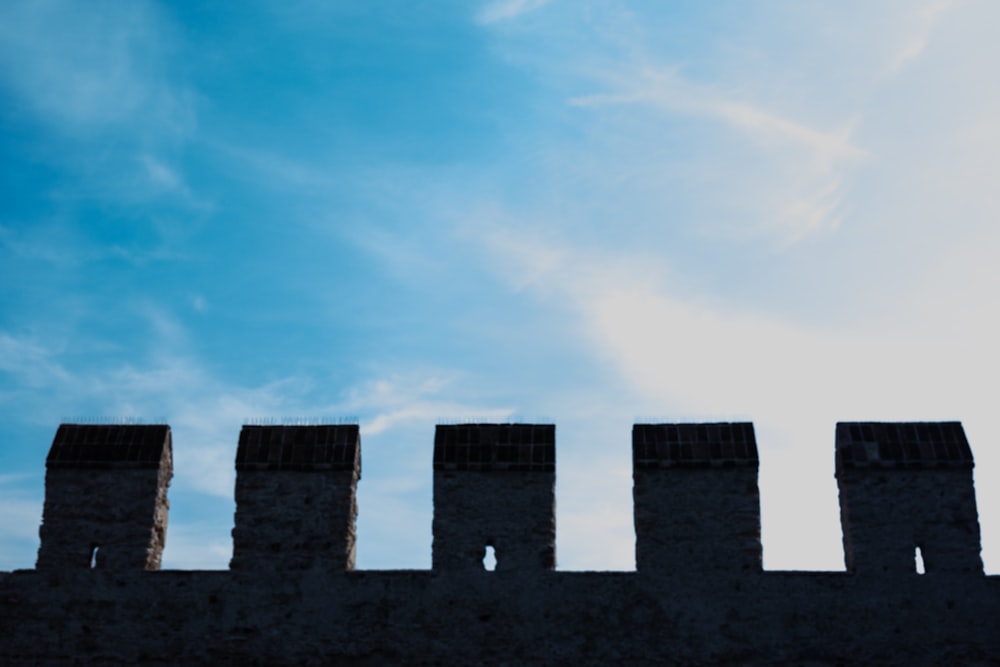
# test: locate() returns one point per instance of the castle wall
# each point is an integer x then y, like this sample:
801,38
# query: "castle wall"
496,618
698,596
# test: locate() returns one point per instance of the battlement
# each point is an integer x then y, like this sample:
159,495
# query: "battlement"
907,489
697,505
295,497
903,487
494,487
106,497
699,594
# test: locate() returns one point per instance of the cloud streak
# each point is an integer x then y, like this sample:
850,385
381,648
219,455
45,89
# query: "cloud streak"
508,10
819,155
924,19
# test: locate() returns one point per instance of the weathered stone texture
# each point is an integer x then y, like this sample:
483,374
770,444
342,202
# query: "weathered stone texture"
513,513
698,598
496,618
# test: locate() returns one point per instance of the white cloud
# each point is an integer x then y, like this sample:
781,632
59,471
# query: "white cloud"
702,359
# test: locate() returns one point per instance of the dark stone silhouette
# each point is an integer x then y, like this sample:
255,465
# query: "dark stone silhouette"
698,596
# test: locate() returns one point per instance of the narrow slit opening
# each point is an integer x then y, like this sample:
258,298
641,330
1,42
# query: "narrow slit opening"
490,559
93,555
918,558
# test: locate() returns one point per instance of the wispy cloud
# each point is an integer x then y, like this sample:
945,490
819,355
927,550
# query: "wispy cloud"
922,23
664,242
91,66
810,203
418,398
162,175
280,171
32,363
506,10
64,247
668,90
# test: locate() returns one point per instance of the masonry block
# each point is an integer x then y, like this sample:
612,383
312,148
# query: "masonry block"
106,497
494,486
907,486
295,497
696,500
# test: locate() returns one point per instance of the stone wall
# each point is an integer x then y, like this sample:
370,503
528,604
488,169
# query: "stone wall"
671,611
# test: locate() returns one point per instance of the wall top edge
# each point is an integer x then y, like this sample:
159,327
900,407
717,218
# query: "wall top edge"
707,445
495,447
902,445
325,447
109,446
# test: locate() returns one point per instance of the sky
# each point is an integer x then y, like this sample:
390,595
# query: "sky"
590,213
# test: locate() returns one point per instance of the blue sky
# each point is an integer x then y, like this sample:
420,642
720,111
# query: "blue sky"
586,213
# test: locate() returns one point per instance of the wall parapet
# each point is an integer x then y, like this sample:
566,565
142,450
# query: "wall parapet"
696,500
106,497
906,491
699,595
296,497
494,488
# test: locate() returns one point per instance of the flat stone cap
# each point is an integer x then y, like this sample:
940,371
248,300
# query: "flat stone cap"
132,446
518,447
902,445
304,448
715,445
